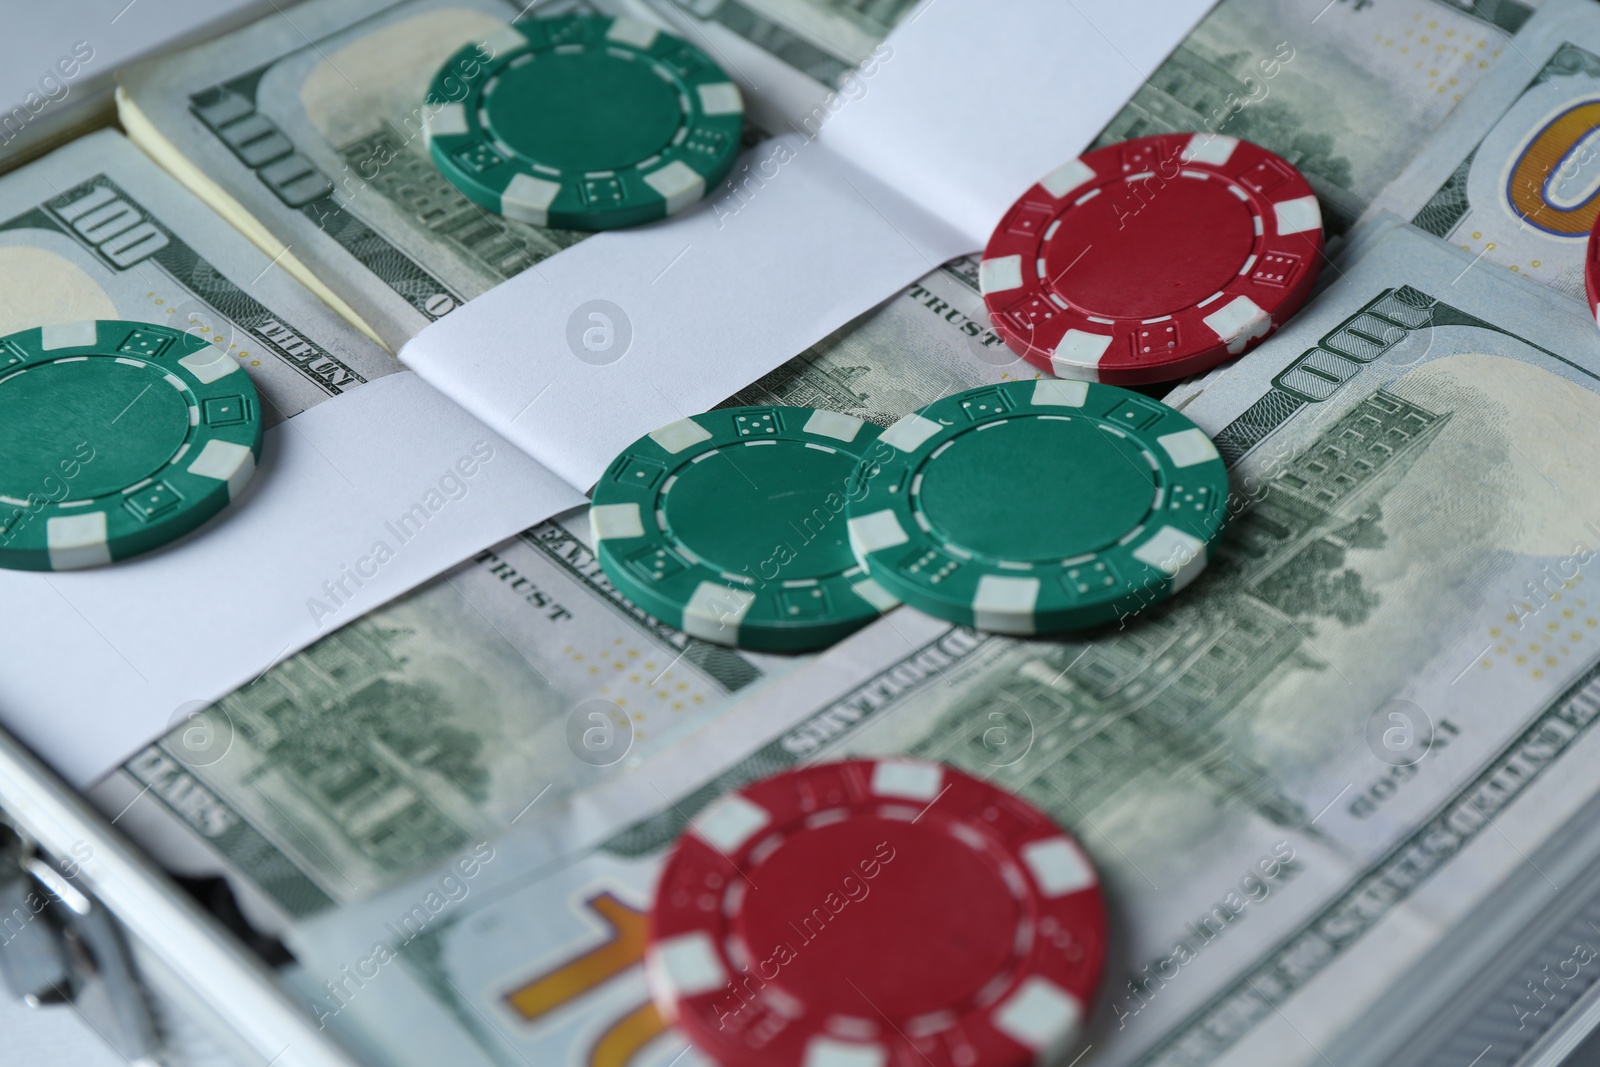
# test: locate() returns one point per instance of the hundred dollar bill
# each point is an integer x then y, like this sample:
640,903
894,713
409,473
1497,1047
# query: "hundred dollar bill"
1296,778
1261,70
507,687
305,130
97,231
1512,176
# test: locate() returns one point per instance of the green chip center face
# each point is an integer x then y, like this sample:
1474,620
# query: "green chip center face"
739,508
1085,489
132,418
584,111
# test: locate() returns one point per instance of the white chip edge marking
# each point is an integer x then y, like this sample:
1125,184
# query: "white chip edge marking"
677,436
833,424
528,199
875,532
679,183
714,612
1299,215
727,823
505,39
1000,275
640,35
226,462
1047,393
829,1052
686,966
616,521
876,595
1058,866
449,121
1188,447
1078,351
910,433
77,541
1213,148
1005,604
908,779
209,364
721,98
1238,322
1064,179
69,335
1178,554
1040,1015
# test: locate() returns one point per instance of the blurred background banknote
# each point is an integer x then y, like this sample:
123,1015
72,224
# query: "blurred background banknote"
1296,781
1514,176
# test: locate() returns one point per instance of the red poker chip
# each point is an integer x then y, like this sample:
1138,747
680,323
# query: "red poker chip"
1153,259
1591,272
876,913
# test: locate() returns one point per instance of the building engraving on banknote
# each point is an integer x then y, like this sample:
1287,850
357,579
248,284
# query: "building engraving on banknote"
361,758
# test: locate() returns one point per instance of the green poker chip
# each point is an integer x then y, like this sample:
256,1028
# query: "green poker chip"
583,122
116,438
730,526
1037,507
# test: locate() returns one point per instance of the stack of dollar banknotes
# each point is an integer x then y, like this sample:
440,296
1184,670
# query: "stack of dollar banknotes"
1354,760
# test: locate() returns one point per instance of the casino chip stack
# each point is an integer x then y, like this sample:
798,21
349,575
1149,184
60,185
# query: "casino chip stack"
116,438
583,122
1034,507
730,526
876,912
1153,259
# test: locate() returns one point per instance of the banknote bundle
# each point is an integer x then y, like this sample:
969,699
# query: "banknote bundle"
1302,782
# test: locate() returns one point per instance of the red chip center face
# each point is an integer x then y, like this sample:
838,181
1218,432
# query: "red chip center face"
925,934
1141,249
